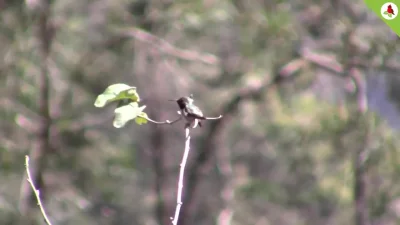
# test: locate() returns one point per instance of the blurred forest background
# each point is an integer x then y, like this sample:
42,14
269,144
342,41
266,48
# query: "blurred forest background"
308,90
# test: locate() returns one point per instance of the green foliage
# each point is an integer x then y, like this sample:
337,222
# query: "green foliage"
125,113
117,92
129,112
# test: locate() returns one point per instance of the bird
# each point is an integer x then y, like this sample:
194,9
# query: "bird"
191,113
390,10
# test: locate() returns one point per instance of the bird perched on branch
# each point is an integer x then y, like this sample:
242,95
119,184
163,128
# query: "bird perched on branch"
190,112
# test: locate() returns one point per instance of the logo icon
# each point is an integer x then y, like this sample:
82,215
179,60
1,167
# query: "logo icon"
389,10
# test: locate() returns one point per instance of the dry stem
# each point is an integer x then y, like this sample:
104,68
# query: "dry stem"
181,175
159,122
36,191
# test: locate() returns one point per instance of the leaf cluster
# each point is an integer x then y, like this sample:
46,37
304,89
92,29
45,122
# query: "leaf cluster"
124,112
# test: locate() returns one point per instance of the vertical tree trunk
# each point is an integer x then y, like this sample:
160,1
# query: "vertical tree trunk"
41,144
360,174
149,63
360,189
228,187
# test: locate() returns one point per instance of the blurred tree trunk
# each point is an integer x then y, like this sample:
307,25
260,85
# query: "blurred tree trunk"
360,182
359,165
228,187
41,145
148,67
158,138
350,53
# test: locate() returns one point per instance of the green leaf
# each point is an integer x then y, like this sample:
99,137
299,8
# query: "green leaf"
141,118
385,13
390,15
126,113
117,92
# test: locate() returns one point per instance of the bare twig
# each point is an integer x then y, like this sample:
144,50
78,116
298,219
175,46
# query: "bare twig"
181,175
176,120
36,191
214,118
158,122
168,48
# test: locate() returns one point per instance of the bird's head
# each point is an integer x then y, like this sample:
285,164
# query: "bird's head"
184,101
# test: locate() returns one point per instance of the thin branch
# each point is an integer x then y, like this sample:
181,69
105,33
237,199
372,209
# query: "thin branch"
292,67
158,122
323,61
330,64
168,48
36,191
181,175
214,118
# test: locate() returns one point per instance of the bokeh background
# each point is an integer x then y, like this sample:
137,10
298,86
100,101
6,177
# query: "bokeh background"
309,91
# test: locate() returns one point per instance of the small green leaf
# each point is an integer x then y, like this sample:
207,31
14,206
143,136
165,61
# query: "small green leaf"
117,92
126,113
385,13
141,118
390,15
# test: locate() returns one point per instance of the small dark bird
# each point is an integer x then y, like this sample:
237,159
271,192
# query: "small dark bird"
190,111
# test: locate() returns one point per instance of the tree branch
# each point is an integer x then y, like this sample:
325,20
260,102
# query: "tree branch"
36,191
181,176
330,64
214,118
168,48
165,122
323,61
